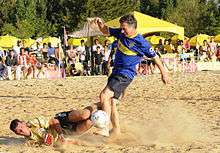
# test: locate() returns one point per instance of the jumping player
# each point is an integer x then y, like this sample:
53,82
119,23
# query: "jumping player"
130,50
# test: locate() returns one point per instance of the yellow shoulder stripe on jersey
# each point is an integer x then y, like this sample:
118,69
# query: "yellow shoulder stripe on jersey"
122,48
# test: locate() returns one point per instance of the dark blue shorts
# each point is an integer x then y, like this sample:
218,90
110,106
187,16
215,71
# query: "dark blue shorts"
118,84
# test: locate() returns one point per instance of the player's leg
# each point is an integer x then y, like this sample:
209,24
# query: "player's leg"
119,90
80,115
105,100
116,130
83,126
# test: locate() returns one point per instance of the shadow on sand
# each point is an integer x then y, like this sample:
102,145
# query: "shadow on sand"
5,140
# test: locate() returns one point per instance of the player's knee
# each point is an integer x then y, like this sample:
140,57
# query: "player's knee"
105,94
86,114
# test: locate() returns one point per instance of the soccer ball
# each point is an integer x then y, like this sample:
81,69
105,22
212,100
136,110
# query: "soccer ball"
100,119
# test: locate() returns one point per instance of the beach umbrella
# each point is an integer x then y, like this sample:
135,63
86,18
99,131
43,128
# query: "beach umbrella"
28,42
53,40
217,38
154,40
76,41
8,41
198,39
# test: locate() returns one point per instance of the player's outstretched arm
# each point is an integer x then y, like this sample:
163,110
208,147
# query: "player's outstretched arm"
164,75
102,27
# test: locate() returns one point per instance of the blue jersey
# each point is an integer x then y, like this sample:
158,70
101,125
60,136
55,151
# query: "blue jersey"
129,53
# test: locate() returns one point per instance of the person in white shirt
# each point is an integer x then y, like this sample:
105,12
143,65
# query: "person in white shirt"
82,51
17,48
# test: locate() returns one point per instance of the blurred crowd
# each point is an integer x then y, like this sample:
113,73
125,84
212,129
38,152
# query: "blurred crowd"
23,63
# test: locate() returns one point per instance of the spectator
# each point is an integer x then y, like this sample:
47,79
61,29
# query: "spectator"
107,50
168,47
44,51
11,64
97,43
2,69
98,61
160,47
70,61
17,48
81,50
32,61
186,45
51,54
203,55
212,50
22,64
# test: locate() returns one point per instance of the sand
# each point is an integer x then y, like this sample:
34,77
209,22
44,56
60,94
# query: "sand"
183,116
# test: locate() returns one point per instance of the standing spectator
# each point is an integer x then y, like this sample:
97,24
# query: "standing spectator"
51,53
186,45
98,61
203,51
22,64
32,62
212,50
97,43
11,63
2,69
44,51
17,48
107,51
81,50
160,47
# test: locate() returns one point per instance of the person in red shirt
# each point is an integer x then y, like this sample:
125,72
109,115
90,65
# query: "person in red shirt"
32,61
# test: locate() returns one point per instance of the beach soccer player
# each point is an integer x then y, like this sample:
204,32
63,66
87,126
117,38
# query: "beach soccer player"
48,131
130,50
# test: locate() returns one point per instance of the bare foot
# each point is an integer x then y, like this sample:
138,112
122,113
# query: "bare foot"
115,133
103,132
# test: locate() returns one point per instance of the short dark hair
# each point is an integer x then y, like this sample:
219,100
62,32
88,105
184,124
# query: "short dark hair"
129,19
14,124
82,41
98,47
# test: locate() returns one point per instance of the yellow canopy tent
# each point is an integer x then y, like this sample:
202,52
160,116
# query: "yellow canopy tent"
76,41
217,38
8,41
53,40
198,39
148,24
28,42
154,39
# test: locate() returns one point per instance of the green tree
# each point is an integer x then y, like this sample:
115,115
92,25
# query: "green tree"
186,14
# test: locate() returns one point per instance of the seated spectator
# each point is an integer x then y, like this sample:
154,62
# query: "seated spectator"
70,61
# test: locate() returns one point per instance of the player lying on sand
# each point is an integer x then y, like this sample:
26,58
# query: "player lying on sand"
47,131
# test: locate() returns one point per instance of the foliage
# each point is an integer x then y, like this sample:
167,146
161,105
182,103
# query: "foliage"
40,18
